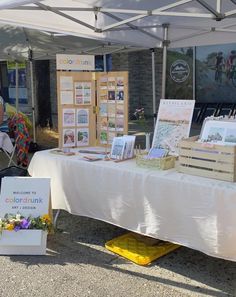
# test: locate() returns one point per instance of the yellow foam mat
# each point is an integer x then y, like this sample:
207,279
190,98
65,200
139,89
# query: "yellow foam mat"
140,249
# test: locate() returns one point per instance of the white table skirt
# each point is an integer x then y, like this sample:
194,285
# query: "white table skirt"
196,212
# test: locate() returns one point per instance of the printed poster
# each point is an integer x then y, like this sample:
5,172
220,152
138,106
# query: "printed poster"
68,117
82,136
173,123
66,97
83,92
103,137
66,83
82,117
68,137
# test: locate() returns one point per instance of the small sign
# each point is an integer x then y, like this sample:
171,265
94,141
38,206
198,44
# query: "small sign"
75,62
28,196
179,71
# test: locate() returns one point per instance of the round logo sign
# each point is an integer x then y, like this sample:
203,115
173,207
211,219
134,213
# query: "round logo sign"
179,71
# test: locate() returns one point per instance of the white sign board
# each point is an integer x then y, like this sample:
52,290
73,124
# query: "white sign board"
28,196
75,62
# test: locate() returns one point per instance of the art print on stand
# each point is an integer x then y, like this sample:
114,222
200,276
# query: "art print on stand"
117,149
173,123
219,131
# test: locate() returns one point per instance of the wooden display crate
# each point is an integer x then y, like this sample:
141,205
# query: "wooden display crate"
155,163
207,160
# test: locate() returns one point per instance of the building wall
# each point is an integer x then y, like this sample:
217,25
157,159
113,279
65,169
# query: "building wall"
139,65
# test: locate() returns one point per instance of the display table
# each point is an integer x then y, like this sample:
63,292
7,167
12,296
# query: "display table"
196,212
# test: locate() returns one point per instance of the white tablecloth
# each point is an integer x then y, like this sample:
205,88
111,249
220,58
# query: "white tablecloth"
196,212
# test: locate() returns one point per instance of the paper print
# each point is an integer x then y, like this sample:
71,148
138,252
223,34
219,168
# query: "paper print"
219,131
68,115
111,124
87,93
111,136
120,124
118,146
111,83
103,137
111,95
104,124
103,81
66,83
66,97
111,109
120,110
120,95
103,109
83,92
82,137
68,137
120,81
82,117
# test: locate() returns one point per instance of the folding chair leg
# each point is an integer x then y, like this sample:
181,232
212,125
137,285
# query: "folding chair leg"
11,157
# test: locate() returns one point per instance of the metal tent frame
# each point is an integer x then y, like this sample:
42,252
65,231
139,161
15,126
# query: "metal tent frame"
147,24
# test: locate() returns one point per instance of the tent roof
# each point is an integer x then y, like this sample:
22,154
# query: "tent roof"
139,23
17,41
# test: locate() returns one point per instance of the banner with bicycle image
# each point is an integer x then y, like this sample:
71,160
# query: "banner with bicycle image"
216,73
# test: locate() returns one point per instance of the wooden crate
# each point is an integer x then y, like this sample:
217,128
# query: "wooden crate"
155,163
207,160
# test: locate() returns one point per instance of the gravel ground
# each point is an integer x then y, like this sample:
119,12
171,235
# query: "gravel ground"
77,264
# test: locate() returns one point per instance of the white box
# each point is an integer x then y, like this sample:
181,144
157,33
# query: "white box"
23,242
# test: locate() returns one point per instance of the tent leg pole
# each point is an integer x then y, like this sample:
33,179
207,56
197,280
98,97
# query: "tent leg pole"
164,63
33,99
17,87
153,87
105,63
194,73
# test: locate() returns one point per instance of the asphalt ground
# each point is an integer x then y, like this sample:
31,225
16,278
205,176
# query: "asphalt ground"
78,264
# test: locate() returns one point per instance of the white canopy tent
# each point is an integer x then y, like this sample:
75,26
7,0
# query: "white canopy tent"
147,24
189,22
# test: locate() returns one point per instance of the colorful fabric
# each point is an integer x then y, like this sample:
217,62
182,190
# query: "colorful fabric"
20,133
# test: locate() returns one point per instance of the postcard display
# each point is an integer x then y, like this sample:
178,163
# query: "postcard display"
112,90
84,120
